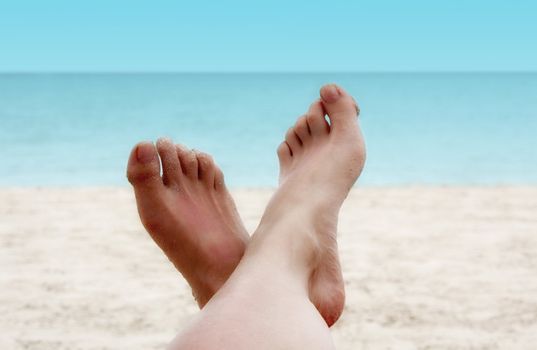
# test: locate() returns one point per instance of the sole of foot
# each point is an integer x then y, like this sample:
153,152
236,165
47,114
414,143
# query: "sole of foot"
188,212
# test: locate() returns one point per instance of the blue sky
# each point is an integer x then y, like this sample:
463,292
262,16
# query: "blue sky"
163,35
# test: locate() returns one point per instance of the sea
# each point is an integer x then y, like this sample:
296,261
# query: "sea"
420,128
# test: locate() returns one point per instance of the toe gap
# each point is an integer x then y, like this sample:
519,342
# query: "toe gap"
290,149
161,165
299,139
308,126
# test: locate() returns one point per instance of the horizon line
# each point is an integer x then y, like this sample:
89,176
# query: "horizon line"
133,72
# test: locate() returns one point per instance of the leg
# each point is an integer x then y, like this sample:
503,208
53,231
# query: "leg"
292,257
183,208
264,305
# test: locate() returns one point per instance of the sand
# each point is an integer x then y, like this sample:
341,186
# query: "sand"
425,268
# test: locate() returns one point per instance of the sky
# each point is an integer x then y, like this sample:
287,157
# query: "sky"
267,36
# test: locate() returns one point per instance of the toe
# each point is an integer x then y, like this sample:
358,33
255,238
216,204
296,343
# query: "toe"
318,126
144,167
189,163
340,106
182,153
219,183
317,108
205,168
284,154
294,143
302,129
171,169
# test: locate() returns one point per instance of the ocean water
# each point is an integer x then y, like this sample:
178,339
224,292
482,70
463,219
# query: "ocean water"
447,129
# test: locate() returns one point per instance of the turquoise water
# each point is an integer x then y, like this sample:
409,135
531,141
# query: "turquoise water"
77,129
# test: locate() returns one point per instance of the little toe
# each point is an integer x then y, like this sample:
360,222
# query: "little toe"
171,168
284,154
340,106
205,168
143,168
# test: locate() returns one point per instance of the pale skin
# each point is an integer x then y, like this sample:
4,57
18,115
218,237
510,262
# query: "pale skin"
274,290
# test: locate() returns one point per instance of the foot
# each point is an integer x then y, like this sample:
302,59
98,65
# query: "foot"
319,163
189,213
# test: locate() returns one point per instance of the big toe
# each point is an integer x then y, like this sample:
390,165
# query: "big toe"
339,105
143,168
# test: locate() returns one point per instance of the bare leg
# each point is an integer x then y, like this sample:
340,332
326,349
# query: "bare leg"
265,304
191,215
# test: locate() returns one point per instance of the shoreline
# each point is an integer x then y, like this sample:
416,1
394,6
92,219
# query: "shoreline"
357,187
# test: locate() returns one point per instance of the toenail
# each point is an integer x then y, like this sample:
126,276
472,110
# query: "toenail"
331,94
145,153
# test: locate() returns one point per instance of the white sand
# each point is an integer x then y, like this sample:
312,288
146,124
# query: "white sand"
425,268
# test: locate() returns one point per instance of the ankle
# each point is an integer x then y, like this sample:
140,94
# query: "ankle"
292,244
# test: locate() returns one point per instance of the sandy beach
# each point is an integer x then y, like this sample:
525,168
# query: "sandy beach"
425,268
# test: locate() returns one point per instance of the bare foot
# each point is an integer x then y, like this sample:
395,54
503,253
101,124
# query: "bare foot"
319,163
189,213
